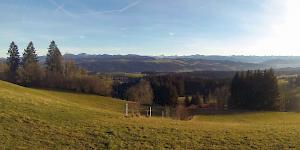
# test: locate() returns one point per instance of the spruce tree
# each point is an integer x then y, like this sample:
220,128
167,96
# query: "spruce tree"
29,55
272,91
30,73
54,59
13,61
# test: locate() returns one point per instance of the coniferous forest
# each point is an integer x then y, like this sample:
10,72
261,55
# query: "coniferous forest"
254,90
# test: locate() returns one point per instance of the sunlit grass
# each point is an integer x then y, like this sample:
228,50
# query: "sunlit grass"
41,119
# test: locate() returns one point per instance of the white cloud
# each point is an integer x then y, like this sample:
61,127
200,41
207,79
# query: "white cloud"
171,33
82,37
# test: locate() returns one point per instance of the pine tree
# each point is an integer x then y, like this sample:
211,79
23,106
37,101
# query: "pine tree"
54,59
13,61
30,73
234,101
272,91
29,55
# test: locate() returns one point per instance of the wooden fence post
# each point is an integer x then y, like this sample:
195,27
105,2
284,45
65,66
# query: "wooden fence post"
126,110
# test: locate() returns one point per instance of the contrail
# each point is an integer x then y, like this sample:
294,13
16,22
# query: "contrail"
114,10
61,8
129,6
92,12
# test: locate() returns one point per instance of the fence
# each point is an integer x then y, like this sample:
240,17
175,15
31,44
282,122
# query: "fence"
179,112
135,109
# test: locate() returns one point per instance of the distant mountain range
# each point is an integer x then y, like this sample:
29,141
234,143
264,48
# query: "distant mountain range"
137,63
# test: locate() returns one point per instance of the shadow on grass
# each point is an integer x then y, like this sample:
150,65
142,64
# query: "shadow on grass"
222,112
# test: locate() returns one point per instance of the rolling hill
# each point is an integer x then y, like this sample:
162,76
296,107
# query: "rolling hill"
42,119
137,63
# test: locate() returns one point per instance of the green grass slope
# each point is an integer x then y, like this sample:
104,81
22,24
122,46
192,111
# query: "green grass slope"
41,119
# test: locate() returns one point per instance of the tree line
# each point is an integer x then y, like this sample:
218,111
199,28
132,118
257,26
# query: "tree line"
248,90
166,89
54,73
254,90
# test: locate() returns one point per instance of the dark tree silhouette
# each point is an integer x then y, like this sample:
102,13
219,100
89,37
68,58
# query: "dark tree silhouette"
54,59
13,61
165,92
30,73
254,90
29,55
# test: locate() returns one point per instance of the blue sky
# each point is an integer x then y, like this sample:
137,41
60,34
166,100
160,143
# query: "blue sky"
153,27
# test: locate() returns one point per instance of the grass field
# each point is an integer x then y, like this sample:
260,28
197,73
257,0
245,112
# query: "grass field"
41,119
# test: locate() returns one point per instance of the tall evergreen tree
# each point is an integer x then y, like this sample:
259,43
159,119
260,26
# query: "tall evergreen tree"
234,101
29,55
30,73
13,61
272,98
54,59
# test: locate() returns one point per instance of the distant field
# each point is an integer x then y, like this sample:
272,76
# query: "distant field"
40,119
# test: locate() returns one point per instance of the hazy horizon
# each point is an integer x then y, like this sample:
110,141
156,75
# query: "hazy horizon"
154,28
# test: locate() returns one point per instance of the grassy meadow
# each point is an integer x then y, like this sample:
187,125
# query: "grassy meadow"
42,119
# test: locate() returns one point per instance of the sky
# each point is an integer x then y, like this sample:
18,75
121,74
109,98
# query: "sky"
153,27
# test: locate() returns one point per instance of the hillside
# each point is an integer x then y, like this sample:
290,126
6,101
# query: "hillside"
137,63
41,119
